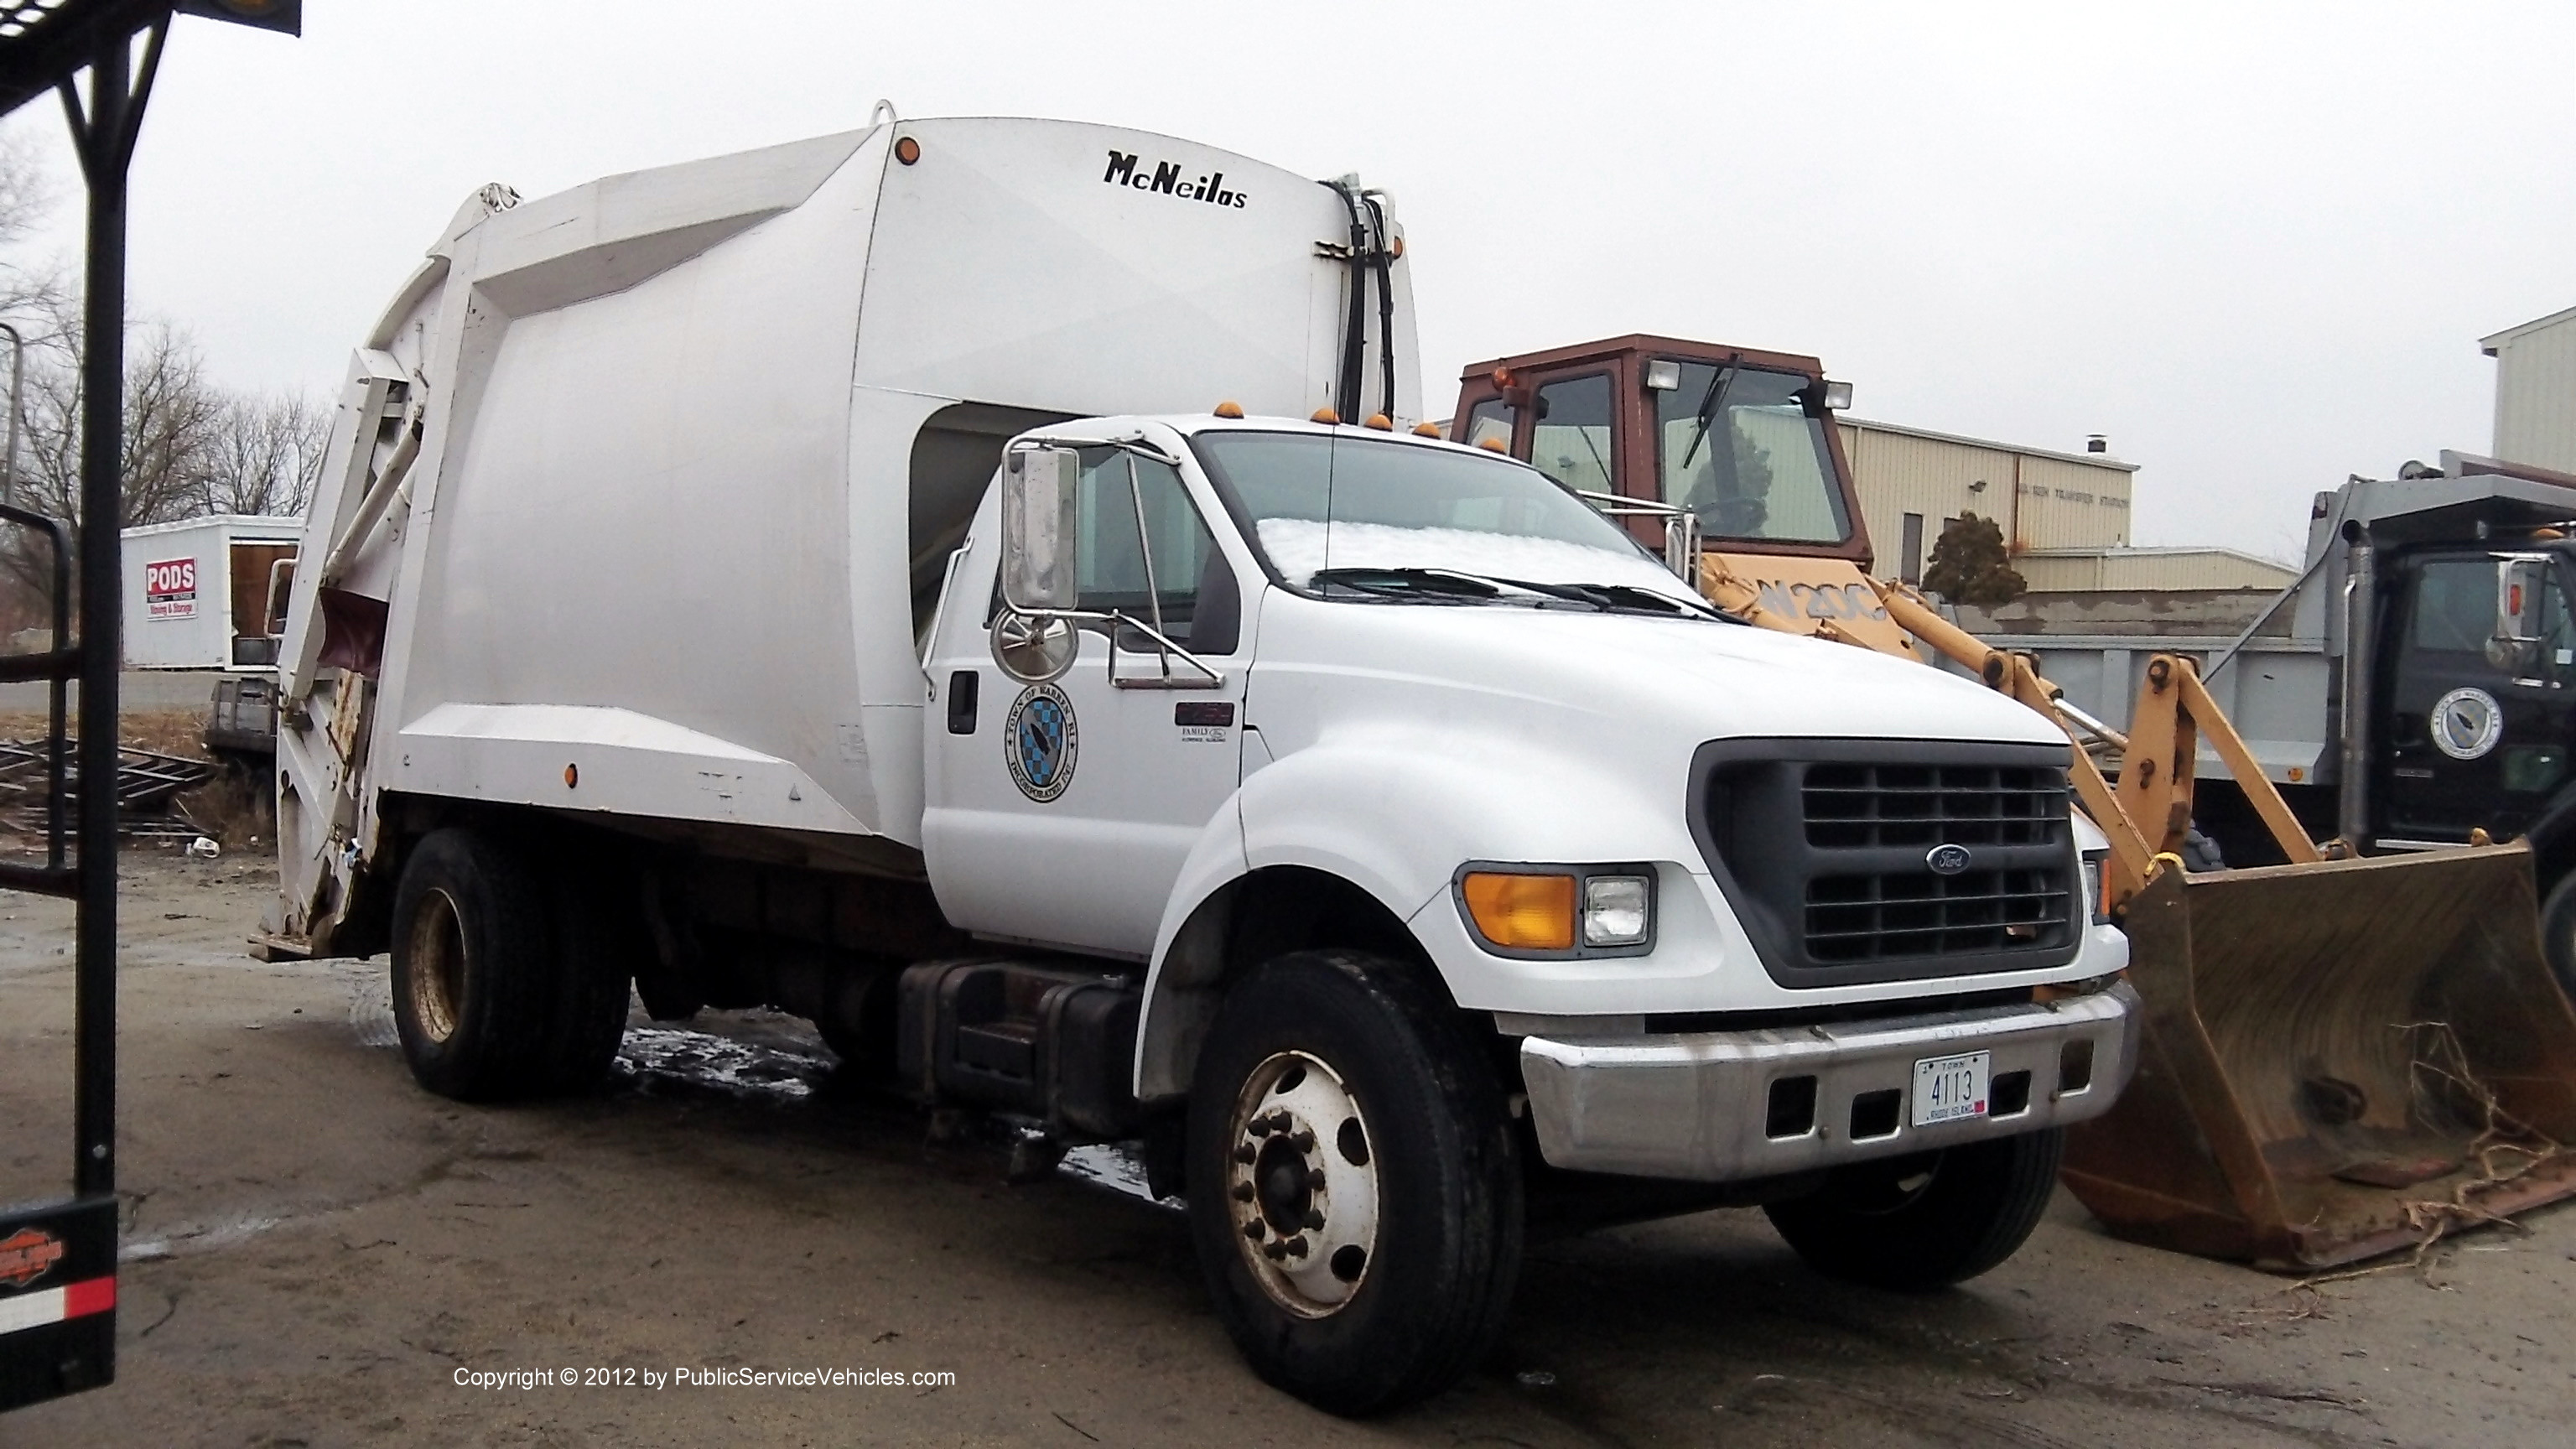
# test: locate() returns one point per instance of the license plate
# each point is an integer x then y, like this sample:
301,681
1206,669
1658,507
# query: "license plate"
1947,1089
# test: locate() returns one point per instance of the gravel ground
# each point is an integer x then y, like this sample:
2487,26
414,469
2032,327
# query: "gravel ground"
316,1250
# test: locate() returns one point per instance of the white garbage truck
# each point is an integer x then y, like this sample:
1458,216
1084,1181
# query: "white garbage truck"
979,585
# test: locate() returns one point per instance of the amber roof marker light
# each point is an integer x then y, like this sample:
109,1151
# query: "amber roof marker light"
1325,415
907,150
1229,409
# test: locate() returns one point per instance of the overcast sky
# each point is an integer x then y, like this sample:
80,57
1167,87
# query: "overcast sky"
2254,244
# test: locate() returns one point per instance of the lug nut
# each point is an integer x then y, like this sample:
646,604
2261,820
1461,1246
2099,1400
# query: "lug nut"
1243,1192
1315,1179
1295,1247
1252,1229
1303,1141
1273,1251
1314,1219
1244,1153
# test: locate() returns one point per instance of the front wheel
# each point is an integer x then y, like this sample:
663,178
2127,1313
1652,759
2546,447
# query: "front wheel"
1927,1221
1353,1183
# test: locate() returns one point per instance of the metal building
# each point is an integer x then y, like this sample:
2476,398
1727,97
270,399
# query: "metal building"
2535,407
2168,569
1912,482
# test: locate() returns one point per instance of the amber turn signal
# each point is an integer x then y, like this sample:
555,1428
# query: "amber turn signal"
1522,912
1229,409
572,777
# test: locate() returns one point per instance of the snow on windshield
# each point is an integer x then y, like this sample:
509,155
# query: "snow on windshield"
1303,547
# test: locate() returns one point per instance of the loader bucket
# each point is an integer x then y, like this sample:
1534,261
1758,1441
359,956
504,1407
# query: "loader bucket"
2340,1059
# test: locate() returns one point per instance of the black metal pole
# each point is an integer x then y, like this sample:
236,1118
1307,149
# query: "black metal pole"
101,625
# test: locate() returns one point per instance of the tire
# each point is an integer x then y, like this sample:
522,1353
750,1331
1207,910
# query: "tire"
1421,1183
1914,1224
503,978
2558,932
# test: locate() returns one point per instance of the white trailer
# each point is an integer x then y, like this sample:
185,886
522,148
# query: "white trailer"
196,591
819,577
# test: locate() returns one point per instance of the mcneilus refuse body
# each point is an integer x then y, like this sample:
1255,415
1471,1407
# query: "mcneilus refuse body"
977,584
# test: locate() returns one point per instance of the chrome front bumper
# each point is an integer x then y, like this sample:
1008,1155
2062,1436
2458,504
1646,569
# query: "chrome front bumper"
1700,1105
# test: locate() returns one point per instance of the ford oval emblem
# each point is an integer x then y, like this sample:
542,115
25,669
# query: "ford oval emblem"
1947,859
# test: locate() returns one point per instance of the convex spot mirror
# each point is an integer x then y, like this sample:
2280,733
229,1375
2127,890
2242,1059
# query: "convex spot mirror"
1039,527
2520,628
1034,648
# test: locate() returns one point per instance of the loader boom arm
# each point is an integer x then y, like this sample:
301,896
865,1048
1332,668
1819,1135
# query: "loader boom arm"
2148,814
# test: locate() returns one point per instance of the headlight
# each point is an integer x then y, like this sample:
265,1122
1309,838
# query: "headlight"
1553,910
2097,887
1616,910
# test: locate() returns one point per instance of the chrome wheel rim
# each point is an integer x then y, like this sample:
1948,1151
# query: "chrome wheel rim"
436,964
1301,1185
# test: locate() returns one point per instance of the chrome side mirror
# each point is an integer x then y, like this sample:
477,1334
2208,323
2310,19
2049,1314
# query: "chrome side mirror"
1040,526
2519,626
1032,641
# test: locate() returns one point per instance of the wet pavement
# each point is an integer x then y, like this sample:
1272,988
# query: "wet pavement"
317,1253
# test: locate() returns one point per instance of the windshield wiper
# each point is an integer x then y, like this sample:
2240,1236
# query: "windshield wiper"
1709,404
1628,598
1397,582
1458,584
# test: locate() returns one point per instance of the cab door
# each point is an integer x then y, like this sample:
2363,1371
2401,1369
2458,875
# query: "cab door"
2470,736
1061,813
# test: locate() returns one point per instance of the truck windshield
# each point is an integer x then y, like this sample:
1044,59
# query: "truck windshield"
1320,504
1738,447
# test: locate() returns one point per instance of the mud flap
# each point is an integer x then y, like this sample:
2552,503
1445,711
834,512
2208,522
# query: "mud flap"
2339,1059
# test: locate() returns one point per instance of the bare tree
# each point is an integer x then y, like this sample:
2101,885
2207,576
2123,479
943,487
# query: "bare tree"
26,191
171,418
264,454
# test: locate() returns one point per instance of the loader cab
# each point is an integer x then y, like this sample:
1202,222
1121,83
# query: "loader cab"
1741,443
2477,690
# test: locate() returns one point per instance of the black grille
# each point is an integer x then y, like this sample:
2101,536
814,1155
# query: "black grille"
1825,848
1854,806
1875,917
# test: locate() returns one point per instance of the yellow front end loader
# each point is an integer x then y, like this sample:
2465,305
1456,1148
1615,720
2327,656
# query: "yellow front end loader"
2343,1056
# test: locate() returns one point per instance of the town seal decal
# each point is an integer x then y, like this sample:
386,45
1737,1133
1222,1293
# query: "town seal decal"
1039,742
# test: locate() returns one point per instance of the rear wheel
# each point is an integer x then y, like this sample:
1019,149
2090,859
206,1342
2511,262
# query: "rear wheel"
1353,1184
506,980
1929,1220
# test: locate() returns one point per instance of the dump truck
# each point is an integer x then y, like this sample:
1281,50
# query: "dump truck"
979,585
2356,1044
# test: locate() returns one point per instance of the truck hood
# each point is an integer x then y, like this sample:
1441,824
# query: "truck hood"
1610,676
